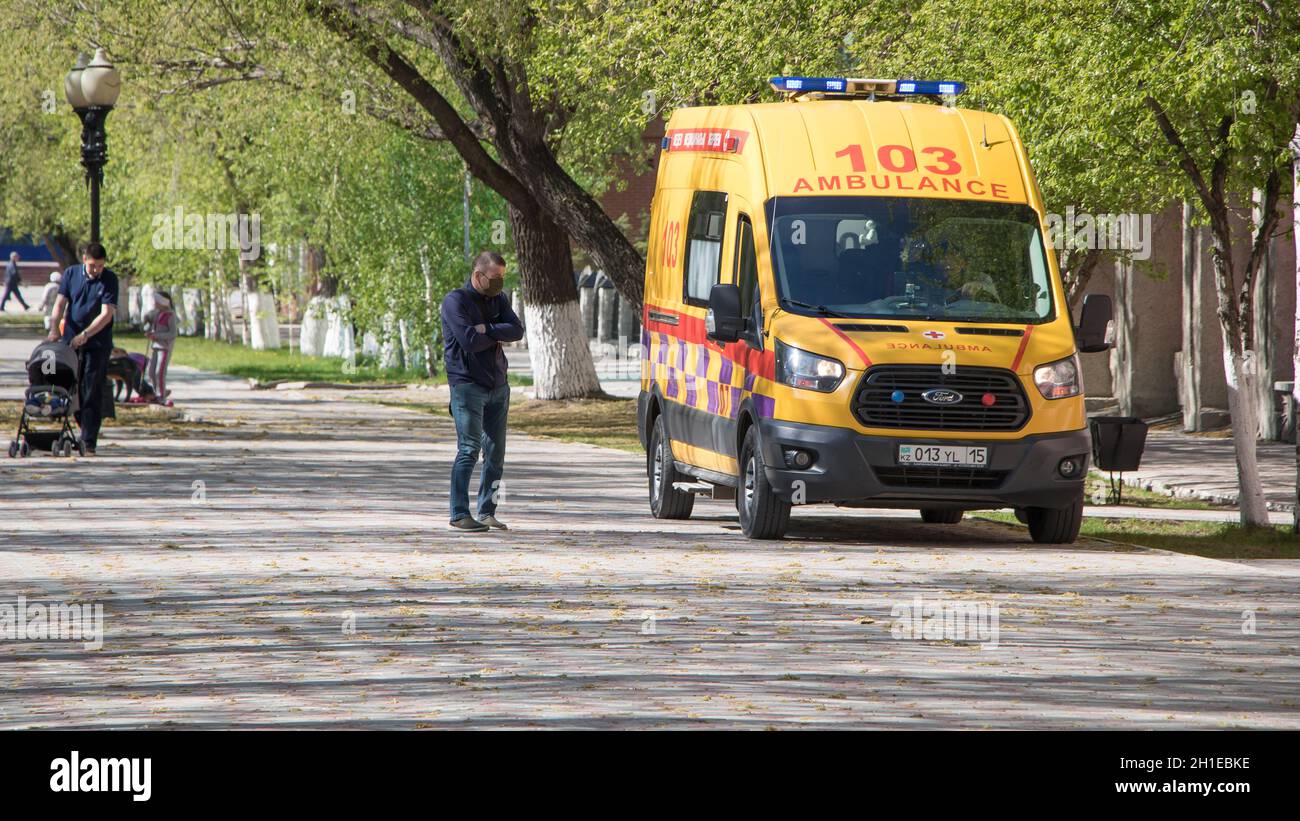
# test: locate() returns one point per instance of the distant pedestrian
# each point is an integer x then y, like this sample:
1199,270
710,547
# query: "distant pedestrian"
48,296
160,327
476,322
12,281
88,295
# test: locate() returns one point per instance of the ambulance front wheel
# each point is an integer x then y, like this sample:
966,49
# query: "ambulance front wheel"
666,502
1055,525
763,514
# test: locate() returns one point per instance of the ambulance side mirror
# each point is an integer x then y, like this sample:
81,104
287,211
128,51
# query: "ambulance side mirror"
1096,330
724,322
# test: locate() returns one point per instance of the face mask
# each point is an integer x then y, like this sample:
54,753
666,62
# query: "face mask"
494,286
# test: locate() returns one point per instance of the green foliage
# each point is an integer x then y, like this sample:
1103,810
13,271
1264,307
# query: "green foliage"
284,128
245,106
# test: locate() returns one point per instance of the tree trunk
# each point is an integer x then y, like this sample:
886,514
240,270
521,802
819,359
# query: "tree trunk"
212,326
1241,394
1121,356
62,248
1242,381
562,365
1191,356
1295,362
527,174
244,318
1262,361
586,220
430,317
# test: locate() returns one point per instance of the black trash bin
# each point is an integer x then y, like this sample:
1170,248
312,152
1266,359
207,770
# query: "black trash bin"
1117,442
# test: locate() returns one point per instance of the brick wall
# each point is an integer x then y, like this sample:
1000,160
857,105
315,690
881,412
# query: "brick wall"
638,186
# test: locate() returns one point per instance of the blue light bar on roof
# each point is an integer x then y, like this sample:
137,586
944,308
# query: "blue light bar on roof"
803,84
929,87
854,85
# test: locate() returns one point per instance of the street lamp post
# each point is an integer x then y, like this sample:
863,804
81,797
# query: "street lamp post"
92,91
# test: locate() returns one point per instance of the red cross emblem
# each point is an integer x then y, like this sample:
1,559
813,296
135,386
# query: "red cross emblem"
932,334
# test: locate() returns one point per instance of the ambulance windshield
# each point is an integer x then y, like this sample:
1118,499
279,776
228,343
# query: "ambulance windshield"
910,258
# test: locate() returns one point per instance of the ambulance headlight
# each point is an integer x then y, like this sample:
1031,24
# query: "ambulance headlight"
800,369
1059,379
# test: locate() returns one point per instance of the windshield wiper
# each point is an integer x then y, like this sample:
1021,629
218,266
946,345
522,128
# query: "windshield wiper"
822,309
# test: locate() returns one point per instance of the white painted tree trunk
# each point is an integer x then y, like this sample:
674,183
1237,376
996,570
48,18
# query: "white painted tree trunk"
1242,410
339,339
245,320
212,328
264,327
311,338
430,327
557,346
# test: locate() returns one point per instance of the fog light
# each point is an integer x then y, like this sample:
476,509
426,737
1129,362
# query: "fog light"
1070,466
797,459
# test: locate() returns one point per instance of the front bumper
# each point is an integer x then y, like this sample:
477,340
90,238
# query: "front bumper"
856,469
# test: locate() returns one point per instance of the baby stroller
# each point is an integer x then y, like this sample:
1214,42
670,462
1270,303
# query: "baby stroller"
51,397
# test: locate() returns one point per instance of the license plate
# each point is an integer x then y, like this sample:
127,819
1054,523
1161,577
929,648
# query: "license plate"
959,455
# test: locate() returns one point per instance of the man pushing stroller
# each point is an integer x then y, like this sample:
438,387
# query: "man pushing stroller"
88,297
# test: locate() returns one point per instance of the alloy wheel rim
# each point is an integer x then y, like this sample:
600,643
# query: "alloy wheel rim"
749,485
658,473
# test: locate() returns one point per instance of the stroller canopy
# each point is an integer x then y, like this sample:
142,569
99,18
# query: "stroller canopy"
53,363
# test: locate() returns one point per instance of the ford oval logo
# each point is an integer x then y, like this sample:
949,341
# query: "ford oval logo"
941,396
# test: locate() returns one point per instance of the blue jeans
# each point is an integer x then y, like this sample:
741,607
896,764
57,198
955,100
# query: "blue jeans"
480,416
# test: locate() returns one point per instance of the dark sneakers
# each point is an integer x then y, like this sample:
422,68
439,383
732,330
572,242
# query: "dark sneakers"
467,524
491,521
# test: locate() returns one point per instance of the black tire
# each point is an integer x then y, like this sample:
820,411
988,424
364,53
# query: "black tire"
23,449
1055,525
763,514
81,448
941,515
666,502
13,449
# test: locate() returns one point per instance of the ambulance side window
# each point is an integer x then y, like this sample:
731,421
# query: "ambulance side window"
746,265
704,229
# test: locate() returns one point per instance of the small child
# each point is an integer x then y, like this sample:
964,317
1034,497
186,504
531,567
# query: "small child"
160,327
48,297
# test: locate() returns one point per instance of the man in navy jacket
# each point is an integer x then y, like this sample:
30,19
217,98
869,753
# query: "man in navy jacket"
476,321
87,300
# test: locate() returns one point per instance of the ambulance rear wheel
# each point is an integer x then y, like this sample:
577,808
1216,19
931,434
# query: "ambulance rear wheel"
1055,525
666,502
763,514
940,515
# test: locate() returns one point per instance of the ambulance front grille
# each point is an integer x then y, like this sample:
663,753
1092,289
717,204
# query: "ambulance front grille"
950,478
874,404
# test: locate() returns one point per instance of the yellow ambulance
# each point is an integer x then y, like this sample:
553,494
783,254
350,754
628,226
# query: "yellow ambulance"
849,299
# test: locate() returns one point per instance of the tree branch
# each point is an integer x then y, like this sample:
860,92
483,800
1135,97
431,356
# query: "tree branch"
340,17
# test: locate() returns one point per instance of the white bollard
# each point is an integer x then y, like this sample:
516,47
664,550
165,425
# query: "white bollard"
607,325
